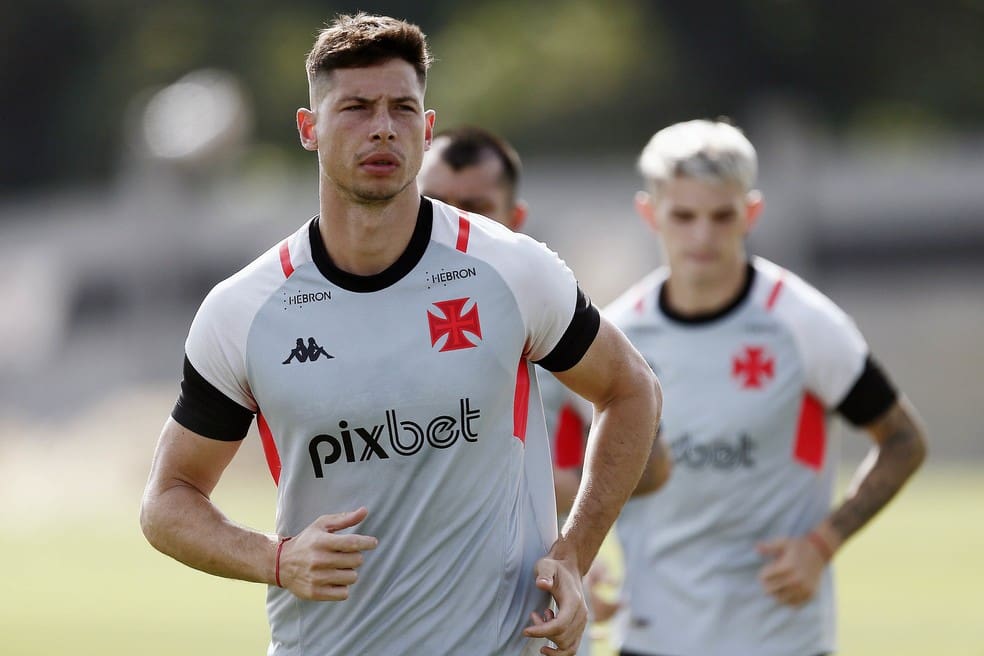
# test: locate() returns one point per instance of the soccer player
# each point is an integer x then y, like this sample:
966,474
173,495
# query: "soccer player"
731,556
410,517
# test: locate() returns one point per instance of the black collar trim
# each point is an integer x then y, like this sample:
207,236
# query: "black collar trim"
714,315
404,264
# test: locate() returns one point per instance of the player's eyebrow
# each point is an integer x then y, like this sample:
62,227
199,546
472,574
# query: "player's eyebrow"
355,99
371,101
405,99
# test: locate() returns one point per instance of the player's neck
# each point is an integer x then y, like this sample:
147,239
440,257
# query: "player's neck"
365,239
707,297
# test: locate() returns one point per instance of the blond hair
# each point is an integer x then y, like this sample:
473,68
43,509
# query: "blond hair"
702,149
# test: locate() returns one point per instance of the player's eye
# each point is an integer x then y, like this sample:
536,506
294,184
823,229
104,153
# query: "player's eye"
724,216
682,216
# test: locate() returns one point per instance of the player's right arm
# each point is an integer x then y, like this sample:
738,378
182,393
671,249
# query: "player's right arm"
179,519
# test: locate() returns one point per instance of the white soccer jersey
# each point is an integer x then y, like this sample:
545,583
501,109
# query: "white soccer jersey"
408,392
746,398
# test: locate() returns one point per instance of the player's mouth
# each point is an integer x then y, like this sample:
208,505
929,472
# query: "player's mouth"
380,163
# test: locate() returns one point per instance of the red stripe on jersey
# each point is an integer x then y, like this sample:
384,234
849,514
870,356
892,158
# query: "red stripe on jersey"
285,263
811,434
568,442
269,447
521,401
464,227
774,294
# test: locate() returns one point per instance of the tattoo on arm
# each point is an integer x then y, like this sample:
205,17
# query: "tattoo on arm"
900,449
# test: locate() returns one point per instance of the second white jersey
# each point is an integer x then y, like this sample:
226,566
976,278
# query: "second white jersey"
747,395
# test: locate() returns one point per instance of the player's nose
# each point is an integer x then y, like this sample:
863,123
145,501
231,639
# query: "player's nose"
382,126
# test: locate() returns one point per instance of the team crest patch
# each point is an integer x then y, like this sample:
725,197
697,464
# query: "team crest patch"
452,323
753,367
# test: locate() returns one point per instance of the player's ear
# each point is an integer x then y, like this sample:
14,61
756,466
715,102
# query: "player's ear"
306,129
430,116
754,202
646,209
519,213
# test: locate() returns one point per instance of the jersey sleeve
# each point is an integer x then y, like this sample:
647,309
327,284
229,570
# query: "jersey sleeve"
578,336
561,321
870,397
202,408
215,399
834,351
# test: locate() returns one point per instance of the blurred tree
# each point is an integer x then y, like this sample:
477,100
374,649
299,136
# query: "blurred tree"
521,68
581,75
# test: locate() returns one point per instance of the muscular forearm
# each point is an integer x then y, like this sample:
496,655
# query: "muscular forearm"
183,523
618,450
901,449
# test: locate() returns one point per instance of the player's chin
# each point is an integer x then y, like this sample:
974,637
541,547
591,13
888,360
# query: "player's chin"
380,190
379,193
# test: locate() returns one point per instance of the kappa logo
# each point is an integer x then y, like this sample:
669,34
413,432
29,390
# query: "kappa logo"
307,352
454,322
753,367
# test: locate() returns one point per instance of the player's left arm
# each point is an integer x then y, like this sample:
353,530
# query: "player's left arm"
899,448
627,402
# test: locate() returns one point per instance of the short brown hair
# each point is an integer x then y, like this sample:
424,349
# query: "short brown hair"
356,41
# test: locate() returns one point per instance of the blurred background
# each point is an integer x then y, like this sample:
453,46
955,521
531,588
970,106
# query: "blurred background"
148,150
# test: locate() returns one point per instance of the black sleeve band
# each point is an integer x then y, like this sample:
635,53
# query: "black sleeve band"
205,410
579,335
872,395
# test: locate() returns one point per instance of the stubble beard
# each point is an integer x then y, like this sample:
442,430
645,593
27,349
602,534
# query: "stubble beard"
374,196
366,194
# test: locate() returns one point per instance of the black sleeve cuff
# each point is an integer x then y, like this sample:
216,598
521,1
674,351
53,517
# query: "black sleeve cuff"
205,410
579,335
872,395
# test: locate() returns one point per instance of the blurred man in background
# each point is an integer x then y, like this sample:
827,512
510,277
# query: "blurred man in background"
414,415
731,556
476,171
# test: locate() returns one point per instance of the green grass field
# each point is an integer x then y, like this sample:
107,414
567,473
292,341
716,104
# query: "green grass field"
80,583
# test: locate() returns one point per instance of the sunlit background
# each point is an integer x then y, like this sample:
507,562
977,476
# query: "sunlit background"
148,150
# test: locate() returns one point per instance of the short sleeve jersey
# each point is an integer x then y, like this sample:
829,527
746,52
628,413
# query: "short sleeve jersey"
747,394
410,392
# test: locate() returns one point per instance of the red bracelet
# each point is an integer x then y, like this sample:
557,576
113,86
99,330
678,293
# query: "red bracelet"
280,547
820,545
